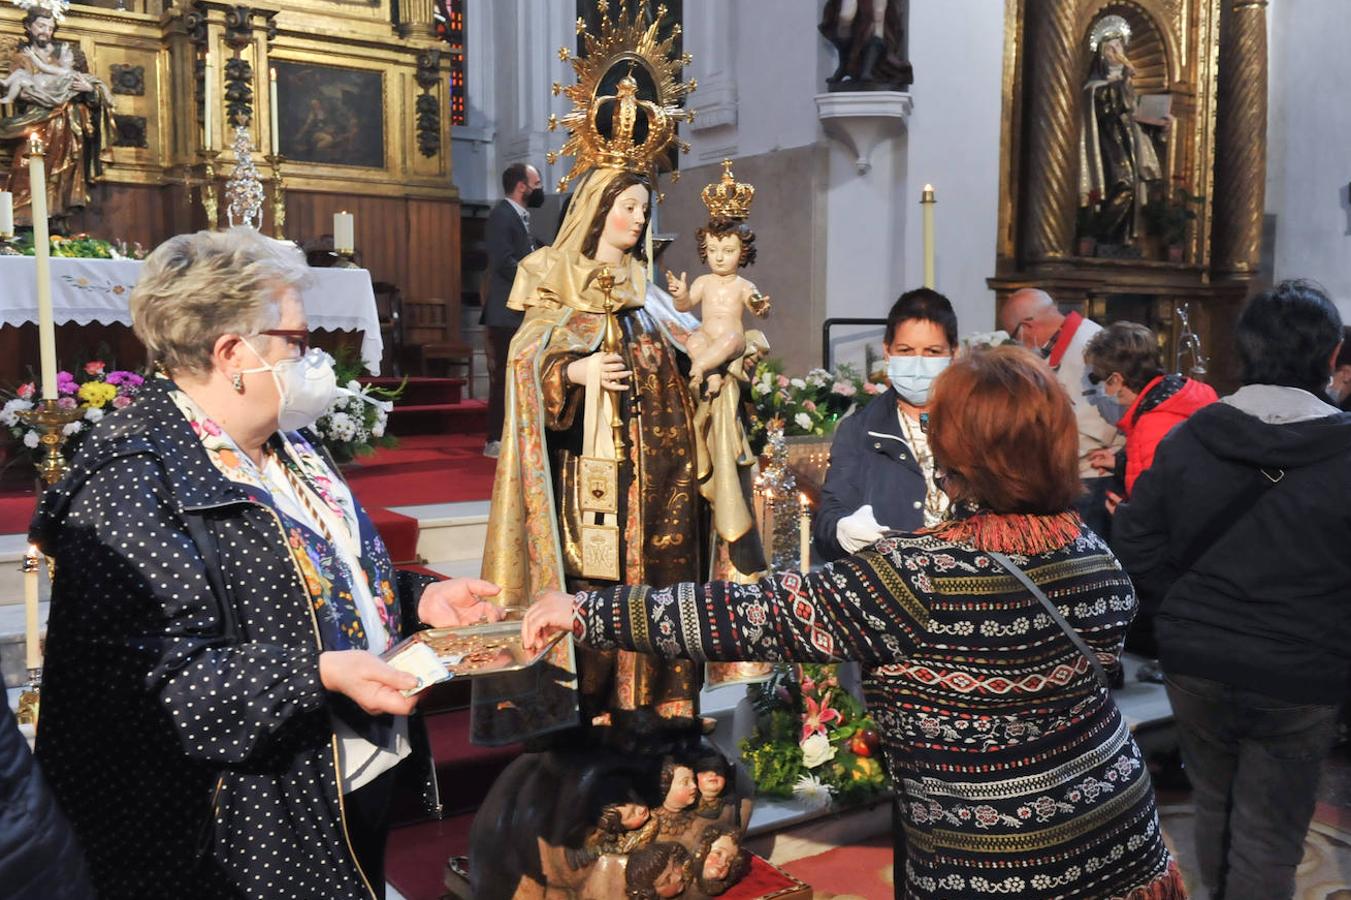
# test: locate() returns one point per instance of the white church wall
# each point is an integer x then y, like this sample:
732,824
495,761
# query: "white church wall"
953,143
1308,132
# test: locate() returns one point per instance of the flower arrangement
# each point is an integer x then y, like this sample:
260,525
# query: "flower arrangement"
82,246
353,426
813,740
94,388
810,405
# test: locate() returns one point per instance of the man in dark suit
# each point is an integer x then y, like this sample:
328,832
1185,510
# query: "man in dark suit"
509,240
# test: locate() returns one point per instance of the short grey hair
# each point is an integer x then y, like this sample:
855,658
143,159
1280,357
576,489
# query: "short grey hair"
196,287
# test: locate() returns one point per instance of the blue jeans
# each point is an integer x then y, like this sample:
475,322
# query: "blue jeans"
1254,763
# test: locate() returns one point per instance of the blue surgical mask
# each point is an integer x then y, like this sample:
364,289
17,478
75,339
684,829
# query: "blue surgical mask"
913,376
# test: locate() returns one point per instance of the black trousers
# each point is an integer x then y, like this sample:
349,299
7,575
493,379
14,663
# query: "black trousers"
1254,763
368,825
496,346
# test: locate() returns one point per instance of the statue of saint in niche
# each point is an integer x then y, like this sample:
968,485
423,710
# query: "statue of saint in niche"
1117,160
70,110
869,36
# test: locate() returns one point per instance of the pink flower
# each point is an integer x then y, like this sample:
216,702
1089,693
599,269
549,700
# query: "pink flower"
808,685
26,391
94,367
844,389
873,389
818,716
809,406
783,381
211,428
67,403
196,428
121,402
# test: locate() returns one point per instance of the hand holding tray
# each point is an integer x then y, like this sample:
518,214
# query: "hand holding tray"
439,654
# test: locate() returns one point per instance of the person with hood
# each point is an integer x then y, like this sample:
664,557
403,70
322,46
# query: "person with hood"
881,472
1240,526
1124,359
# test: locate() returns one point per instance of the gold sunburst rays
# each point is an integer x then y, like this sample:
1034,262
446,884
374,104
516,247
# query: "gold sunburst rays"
648,92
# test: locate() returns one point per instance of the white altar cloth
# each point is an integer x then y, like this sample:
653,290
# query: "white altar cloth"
99,290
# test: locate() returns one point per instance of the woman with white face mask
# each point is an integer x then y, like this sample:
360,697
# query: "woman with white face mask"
215,712
881,472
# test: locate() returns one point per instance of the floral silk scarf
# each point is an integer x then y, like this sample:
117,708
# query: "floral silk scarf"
328,581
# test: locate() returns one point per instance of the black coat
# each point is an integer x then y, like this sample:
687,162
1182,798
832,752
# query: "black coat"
1268,606
870,463
194,757
507,242
39,857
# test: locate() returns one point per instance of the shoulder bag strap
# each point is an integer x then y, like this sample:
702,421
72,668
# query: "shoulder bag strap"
210,551
1089,653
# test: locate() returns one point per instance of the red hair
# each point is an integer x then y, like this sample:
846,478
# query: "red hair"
1003,432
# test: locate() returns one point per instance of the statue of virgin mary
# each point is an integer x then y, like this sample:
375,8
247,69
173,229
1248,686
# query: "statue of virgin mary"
540,536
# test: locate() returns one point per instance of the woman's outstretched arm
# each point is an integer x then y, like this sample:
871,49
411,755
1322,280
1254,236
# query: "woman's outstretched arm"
855,609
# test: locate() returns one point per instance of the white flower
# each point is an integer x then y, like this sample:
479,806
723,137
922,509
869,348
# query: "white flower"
816,750
818,377
9,415
341,426
93,414
31,440
797,383
73,428
354,386
378,426
811,792
803,421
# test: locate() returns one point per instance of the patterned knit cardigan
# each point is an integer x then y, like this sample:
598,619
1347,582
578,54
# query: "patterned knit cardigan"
1017,774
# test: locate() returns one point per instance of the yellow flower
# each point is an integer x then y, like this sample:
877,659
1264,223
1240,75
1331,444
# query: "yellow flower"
96,394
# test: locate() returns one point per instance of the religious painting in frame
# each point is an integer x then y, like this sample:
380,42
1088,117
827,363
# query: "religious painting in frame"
331,116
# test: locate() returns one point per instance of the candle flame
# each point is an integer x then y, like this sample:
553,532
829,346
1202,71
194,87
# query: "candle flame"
35,147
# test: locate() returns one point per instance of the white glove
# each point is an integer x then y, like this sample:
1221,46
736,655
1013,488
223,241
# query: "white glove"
858,530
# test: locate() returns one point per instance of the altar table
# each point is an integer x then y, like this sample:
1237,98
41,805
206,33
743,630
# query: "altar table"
99,290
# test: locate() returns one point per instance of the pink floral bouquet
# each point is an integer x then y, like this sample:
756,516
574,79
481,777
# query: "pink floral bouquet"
812,404
94,388
813,740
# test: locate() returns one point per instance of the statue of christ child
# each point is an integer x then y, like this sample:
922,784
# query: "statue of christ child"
725,245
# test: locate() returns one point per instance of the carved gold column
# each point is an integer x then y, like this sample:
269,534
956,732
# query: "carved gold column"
417,18
1241,148
1052,123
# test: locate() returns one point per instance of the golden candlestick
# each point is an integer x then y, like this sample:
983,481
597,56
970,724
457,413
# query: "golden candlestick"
612,342
210,198
50,420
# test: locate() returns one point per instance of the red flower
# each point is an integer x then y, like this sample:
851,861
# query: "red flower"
26,391
818,716
94,367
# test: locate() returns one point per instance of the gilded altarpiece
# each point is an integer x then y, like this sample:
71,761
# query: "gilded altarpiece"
1193,77
157,54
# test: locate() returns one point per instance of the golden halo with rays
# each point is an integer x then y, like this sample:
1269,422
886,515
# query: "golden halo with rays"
623,41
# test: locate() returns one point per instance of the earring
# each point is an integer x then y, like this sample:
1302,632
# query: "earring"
238,381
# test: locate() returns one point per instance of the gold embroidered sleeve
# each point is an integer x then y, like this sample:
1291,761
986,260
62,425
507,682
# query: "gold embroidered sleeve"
562,398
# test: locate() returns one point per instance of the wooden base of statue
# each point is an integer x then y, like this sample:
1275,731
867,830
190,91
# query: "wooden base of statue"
582,822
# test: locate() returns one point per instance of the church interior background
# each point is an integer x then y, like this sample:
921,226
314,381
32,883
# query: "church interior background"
376,132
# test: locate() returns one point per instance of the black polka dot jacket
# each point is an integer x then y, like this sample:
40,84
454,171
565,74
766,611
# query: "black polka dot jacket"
184,727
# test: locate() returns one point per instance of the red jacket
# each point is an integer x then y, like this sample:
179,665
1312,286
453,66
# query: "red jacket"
1145,429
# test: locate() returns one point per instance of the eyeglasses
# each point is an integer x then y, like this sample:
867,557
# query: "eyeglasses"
1095,378
296,337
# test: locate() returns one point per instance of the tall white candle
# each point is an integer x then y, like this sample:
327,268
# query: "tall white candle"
6,214
208,101
344,232
32,647
272,108
927,201
42,249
